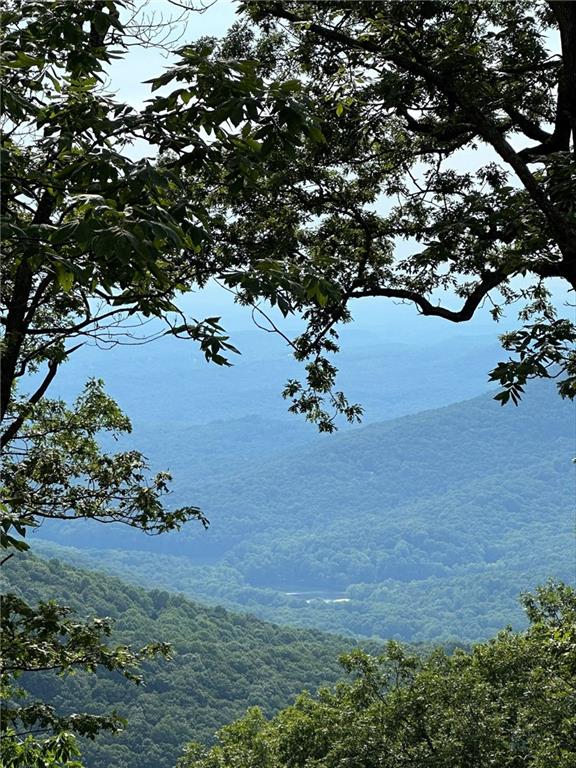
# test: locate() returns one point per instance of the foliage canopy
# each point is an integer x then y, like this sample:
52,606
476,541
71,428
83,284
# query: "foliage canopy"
508,702
443,171
275,146
96,248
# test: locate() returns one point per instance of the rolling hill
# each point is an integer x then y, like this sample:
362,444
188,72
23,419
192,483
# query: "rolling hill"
223,663
424,527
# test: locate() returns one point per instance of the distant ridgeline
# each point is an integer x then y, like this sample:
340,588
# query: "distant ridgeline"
223,664
426,527
168,385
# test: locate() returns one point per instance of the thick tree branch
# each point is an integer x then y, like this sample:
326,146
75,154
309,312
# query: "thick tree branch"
560,139
528,127
441,133
15,332
12,430
489,282
565,14
16,324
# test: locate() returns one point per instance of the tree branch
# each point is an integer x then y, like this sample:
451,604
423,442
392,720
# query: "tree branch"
12,430
565,14
566,234
530,129
560,139
16,324
489,282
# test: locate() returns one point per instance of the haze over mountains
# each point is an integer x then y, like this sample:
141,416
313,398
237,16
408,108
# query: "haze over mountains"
424,523
300,154
422,527
170,383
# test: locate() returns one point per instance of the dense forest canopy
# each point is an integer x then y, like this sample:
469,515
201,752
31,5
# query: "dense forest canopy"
426,527
272,149
509,702
220,664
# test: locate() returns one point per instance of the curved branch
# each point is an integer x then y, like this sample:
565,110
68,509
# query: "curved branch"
12,430
489,282
560,139
529,128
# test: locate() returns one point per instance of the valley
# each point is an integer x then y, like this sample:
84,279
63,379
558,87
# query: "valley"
270,272
453,512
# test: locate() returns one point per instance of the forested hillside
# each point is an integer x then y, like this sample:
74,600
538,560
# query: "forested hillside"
311,162
506,703
222,663
429,525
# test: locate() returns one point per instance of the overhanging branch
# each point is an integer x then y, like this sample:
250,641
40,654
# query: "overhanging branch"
416,65
12,430
425,306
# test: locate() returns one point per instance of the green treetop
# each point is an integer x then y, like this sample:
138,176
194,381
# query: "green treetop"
509,702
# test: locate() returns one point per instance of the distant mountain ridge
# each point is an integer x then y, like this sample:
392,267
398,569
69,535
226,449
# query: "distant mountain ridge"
169,382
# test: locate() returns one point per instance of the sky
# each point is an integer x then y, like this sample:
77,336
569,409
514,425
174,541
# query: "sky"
128,74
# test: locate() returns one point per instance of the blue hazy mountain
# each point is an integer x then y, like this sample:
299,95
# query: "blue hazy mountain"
392,361
423,527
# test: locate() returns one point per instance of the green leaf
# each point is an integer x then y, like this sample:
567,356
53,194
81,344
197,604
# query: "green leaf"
22,61
101,22
64,233
64,276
